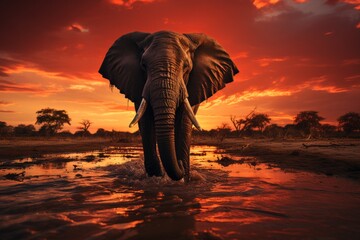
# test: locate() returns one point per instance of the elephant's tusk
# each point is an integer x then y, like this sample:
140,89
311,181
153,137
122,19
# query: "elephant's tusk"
140,112
191,114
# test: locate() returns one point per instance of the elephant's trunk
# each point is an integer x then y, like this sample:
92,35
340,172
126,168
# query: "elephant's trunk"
166,144
164,103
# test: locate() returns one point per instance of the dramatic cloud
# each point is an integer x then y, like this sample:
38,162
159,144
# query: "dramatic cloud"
264,3
7,65
77,28
264,62
5,103
129,3
292,55
356,3
81,88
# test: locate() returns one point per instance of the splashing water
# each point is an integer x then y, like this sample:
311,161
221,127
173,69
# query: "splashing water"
107,195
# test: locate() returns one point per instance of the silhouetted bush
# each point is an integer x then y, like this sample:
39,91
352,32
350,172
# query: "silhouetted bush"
274,131
6,130
65,134
81,133
102,133
23,130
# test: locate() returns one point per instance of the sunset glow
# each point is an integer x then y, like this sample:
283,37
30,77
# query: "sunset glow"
293,55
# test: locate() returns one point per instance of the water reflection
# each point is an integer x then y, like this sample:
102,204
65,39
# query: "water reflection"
107,195
54,165
161,215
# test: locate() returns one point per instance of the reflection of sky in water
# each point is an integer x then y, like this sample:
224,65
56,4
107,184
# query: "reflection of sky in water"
106,195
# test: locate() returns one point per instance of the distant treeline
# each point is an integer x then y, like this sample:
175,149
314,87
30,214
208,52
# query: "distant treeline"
51,123
23,130
307,124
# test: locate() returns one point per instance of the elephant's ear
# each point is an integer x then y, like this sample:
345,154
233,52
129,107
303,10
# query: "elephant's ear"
212,68
122,67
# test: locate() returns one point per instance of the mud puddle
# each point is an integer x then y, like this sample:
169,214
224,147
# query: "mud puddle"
106,195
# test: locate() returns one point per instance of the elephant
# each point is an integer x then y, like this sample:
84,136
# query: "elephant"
167,75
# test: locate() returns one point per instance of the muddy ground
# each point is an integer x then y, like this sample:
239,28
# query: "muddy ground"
332,157
15,148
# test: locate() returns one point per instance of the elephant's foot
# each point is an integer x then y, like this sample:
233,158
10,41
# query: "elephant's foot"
186,170
155,173
153,168
187,178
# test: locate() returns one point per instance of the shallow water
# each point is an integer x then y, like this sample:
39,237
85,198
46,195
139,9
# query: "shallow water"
106,195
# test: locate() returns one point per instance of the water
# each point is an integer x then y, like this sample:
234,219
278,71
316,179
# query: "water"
106,195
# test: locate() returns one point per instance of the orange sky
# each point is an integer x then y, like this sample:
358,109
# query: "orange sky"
293,55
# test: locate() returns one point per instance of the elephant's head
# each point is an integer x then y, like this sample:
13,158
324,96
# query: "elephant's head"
167,71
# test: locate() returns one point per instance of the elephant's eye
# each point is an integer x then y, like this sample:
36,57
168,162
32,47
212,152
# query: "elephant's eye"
186,71
186,65
142,65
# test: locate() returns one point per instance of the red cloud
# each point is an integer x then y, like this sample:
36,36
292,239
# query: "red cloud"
37,89
5,103
264,62
356,3
7,64
77,28
114,106
264,3
129,3
6,111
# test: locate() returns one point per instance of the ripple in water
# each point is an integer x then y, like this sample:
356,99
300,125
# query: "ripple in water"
107,195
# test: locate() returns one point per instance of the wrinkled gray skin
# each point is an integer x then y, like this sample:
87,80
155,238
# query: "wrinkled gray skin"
165,68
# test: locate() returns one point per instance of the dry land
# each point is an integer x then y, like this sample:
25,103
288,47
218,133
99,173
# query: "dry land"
339,157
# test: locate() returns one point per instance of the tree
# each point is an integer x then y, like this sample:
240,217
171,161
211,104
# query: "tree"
241,124
53,120
349,122
24,130
236,123
308,122
250,122
258,120
85,125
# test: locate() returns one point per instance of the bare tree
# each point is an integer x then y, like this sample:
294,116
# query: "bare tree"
235,122
85,125
223,131
242,124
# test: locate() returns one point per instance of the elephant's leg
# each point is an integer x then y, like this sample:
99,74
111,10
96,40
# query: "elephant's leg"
183,131
147,130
